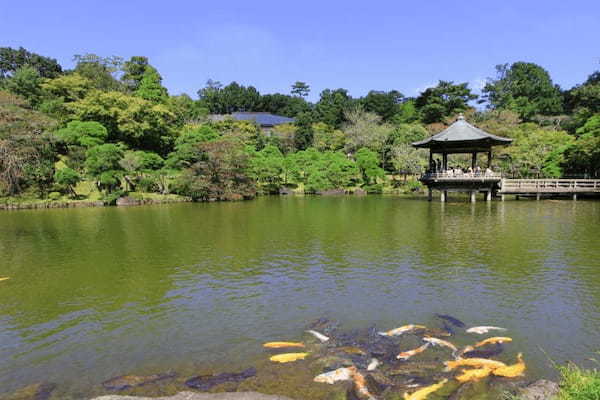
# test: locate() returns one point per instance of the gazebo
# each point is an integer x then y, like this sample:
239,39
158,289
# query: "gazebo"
461,138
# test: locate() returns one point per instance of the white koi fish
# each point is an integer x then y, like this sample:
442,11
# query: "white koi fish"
340,374
402,330
318,335
373,364
440,342
484,329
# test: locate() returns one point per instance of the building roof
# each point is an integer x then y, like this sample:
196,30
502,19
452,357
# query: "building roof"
264,119
462,137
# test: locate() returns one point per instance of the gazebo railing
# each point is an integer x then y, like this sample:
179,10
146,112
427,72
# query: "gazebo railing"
461,176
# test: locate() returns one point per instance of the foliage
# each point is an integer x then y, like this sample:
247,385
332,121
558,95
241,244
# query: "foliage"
67,178
301,89
281,104
407,160
579,384
25,82
326,138
103,164
83,133
185,153
286,136
443,100
101,71
384,104
150,86
132,120
231,98
525,88
133,71
332,105
365,129
584,154
368,165
221,174
12,60
328,170
267,167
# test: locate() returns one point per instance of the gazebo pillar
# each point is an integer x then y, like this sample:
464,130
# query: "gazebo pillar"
431,166
445,161
489,165
473,160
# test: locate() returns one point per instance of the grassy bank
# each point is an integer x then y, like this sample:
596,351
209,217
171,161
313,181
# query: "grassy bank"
578,383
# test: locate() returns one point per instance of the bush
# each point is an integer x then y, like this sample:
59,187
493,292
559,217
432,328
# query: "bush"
579,384
376,188
54,196
110,199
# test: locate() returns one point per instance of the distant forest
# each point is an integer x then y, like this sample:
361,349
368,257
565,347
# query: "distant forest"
108,128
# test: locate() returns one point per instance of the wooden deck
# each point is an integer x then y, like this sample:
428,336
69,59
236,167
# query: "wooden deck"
549,186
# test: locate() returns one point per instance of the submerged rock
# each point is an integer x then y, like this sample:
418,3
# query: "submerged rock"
36,391
540,390
201,396
205,382
129,381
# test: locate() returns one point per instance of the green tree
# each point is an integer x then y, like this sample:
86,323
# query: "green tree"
103,164
300,89
26,82
281,104
384,104
368,165
223,173
101,71
584,155
150,87
364,129
231,98
12,60
67,178
267,168
186,145
133,71
443,100
407,160
525,88
187,110
332,105
327,138
83,133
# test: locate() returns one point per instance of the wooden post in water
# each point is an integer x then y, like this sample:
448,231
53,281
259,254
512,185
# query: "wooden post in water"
488,195
473,196
538,196
429,194
501,197
574,196
443,195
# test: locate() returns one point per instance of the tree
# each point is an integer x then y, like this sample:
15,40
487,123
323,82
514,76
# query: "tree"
326,138
26,82
407,160
332,105
221,174
399,141
267,168
12,60
584,155
83,133
286,136
102,71
303,138
187,110
103,164
525,88
132,120
300,89
68,178
443,100
69,88
231,98
364,129
186,145
368,165
150,87
281,104
384,104
133,71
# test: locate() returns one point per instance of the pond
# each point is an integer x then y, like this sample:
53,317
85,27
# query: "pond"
193,288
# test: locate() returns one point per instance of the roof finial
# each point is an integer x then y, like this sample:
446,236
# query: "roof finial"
460,117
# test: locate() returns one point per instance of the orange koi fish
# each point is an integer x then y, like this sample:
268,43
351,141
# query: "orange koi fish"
288,357
405,355
474,362
473,375
422,394
281,345
512,371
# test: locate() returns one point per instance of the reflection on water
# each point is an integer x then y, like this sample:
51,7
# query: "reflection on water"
96,293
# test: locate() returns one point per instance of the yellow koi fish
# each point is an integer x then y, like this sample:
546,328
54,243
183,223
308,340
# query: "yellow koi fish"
4,279
512,371
288,357
351,350
281,345
492,340
474,362
340,374
422,394
402,330
405,355
473,375
440,342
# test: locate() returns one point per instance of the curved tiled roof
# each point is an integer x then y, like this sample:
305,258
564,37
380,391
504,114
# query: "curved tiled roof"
262,118
461,133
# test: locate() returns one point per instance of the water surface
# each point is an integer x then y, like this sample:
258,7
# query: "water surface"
101,292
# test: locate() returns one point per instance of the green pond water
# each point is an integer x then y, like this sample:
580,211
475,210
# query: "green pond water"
100,292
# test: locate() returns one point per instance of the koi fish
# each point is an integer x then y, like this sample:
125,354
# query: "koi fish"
473,375
288,357
129,381
493,340
484,329
318,335
402,330
373,365
422,394
281,345
486,353
340,374
440,342
473,362
405,355
351,350
360,386
5,278
512,371
454,321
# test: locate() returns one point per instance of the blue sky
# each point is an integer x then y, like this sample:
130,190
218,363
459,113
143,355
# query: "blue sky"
359,46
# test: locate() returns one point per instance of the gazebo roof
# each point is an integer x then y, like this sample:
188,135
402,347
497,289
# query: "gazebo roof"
462,137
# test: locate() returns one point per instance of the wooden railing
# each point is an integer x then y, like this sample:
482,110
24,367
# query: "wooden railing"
461,176
550,186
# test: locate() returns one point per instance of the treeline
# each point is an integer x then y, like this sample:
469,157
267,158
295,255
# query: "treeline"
110,122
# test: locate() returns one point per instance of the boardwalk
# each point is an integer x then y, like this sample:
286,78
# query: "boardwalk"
539,187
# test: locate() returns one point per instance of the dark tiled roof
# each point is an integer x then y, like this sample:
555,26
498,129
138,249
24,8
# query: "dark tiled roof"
461,132
262,118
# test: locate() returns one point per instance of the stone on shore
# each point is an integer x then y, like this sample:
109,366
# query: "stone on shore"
540,390
201,396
